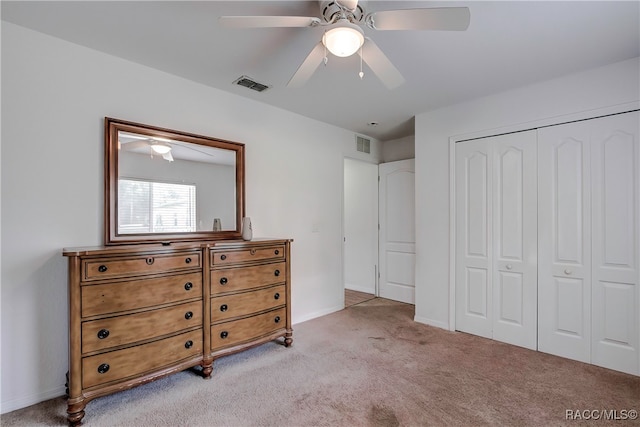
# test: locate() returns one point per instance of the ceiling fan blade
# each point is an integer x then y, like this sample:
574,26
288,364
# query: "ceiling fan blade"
380,65
135,144
267,21
444,18
308,66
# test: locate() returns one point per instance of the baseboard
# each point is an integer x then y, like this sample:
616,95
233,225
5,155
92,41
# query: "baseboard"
431,322
320,313
351,287
23,402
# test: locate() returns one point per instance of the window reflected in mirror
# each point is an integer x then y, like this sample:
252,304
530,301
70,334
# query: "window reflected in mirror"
156,207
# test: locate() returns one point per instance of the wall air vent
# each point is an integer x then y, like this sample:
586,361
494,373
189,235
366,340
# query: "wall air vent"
248,82
363,144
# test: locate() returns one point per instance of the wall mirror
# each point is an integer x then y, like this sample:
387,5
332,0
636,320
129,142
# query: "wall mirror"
163,185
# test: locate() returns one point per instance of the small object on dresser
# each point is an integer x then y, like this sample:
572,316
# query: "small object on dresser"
217,225
247,231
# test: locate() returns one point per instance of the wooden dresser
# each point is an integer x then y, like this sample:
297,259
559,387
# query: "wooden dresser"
140,312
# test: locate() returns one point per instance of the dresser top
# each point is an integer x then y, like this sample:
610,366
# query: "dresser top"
169,247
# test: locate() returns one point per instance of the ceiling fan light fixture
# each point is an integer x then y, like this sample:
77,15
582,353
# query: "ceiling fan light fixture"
161,147
344,40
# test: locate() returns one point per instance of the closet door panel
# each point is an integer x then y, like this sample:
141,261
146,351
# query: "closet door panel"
473,238
564,241
515,239
568,316
615,242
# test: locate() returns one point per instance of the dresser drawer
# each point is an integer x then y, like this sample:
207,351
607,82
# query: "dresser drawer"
120,364
115,331
228,306
238,331
116,297
234,256
237,279
108,268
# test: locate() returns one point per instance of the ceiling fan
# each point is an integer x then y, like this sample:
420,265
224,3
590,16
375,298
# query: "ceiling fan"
155,146
344,36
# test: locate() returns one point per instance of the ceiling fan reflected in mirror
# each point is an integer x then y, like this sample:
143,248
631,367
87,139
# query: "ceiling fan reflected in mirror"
154,145
344,36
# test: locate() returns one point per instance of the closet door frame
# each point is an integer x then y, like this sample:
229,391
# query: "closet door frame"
550,121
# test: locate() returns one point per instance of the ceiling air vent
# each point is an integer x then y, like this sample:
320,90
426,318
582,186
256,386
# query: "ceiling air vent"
248,82
363,144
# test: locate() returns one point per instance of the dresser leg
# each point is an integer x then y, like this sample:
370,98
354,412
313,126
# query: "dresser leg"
207,368
75,411
288,339
75,418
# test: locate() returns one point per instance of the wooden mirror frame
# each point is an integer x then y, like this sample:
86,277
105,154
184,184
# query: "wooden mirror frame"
111,235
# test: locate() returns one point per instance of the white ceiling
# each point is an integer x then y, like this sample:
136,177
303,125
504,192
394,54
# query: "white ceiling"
508,44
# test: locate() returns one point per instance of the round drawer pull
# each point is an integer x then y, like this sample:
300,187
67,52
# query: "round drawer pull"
103,333
188,315
103,369
277,319
252,251
102,268
224,334
223,281
188,260
223,257
276,273
188,286
276,295
277,252
188,344
150,261
224,307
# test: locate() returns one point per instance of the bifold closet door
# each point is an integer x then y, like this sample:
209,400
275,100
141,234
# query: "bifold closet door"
515,239
496,238
588,213
474,255
564,245
615,152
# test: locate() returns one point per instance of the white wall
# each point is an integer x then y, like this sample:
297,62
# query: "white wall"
605,87
399,149
55,96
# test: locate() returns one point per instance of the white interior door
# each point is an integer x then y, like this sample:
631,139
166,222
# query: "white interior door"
397,230
564,258
615,273
360,223
496,238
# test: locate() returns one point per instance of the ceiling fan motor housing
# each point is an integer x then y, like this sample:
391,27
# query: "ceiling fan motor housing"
331,10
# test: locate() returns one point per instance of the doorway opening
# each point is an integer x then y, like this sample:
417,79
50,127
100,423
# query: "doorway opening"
360,231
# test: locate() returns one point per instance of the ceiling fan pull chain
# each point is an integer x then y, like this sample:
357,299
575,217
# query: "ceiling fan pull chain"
361,74
325,59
